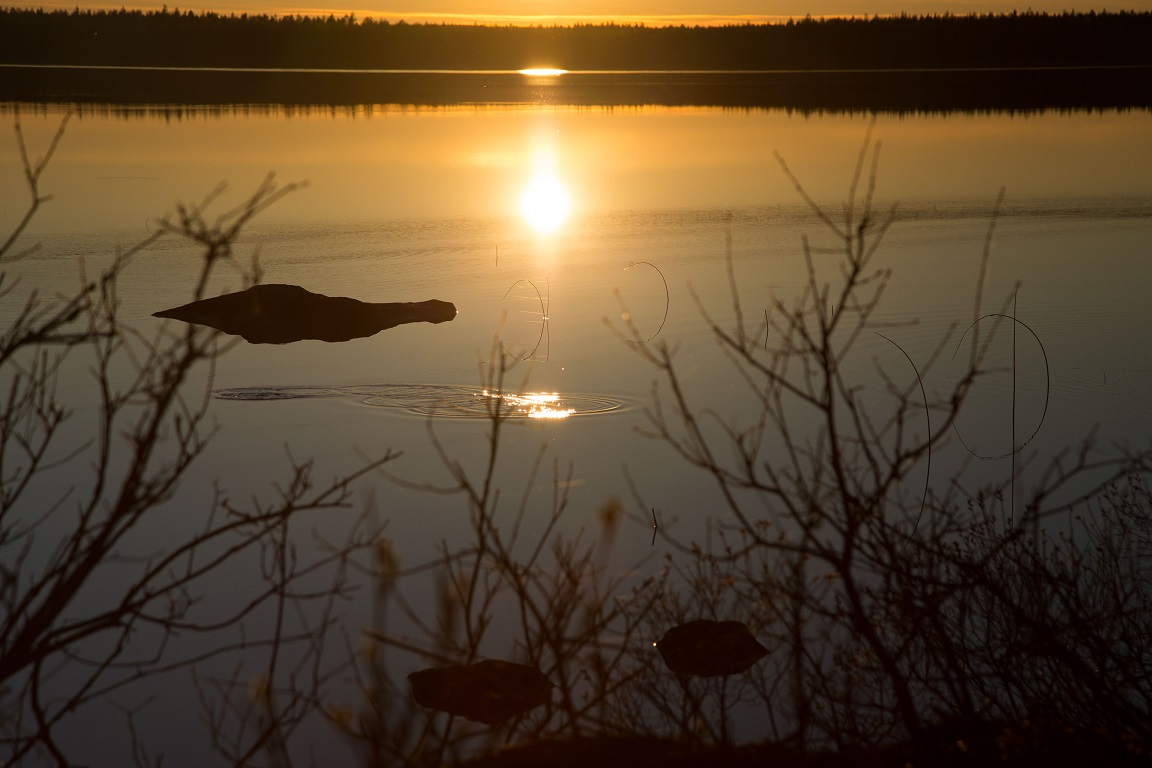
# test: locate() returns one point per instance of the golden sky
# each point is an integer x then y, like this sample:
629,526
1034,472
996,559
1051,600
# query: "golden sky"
651,12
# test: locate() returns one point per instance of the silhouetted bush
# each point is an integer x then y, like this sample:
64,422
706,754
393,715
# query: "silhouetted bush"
903,618
88,606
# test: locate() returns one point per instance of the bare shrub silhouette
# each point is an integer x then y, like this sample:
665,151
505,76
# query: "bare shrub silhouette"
898,613
535,597
902,612
896,608
88,607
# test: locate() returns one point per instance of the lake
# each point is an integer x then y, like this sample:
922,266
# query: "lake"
406,203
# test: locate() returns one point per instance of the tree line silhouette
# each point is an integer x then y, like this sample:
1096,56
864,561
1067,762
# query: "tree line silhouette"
187,39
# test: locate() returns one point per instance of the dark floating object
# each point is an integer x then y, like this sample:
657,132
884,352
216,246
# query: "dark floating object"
279,314
707,648
488,692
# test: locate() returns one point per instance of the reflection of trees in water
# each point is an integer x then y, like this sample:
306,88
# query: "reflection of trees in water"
204,94
860,609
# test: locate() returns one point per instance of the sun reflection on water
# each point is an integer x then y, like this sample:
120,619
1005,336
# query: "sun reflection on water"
533,405
544,203
444,401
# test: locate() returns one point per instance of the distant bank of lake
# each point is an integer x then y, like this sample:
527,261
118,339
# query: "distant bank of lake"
883,90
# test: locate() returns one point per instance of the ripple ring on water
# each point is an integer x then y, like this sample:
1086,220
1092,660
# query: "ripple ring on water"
443,400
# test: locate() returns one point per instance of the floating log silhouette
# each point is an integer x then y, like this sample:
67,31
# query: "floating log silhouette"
707,648
279,314
488,692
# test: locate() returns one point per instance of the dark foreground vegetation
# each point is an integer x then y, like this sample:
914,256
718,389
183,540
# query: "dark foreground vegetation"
175,39
883,619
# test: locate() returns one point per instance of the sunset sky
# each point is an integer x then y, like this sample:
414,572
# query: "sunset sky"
652,12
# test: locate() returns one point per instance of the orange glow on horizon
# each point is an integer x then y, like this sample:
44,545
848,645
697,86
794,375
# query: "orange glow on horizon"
596,12
568,20
256,7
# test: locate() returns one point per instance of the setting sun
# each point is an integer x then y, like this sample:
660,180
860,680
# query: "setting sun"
544,203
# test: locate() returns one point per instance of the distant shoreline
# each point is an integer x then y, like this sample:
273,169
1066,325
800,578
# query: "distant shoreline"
330,70
894,91
1025,62
184,39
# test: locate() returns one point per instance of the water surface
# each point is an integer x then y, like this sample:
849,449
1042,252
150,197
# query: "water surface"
407,204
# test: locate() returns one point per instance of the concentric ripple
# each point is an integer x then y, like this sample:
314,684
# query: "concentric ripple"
445,401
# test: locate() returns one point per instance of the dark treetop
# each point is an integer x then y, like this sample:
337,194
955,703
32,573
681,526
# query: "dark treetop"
184,39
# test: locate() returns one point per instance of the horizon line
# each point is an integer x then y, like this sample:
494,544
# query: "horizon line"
491,19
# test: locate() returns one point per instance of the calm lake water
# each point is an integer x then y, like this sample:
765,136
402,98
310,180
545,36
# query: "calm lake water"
408,204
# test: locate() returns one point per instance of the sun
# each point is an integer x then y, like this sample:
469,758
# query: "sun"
545,204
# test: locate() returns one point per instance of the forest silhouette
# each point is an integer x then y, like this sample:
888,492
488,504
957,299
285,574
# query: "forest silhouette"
185,39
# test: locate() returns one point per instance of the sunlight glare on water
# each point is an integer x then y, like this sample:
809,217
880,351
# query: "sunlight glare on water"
544,203
533,405
635,227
